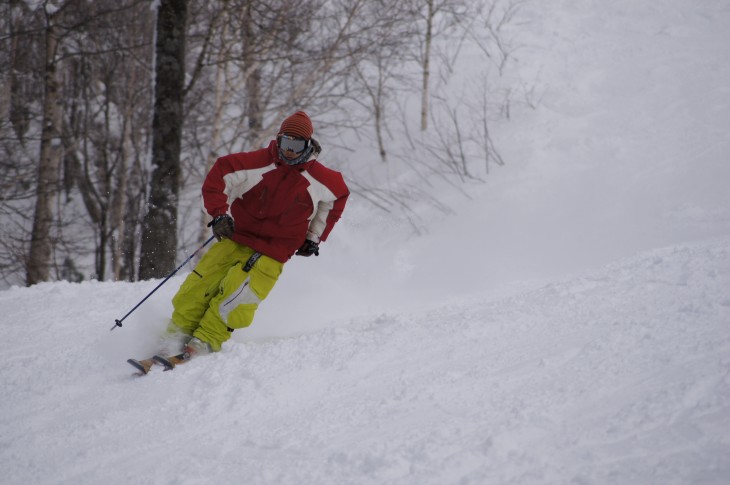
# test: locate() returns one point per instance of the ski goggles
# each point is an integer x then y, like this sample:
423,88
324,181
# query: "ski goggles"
292,143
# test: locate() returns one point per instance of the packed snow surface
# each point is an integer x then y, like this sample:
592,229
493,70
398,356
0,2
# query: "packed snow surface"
569,324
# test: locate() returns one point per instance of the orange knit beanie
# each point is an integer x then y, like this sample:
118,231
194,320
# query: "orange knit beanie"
297,124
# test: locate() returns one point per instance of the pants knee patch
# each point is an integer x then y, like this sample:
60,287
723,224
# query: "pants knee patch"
243,295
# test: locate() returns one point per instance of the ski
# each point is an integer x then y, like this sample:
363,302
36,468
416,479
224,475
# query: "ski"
170,362
143,366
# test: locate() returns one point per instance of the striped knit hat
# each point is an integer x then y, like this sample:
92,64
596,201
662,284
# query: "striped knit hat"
297,124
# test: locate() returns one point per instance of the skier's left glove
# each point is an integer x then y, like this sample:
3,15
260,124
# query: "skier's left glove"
308,248
222,226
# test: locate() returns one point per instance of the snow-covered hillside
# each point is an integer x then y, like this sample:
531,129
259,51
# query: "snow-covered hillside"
619,376
569,324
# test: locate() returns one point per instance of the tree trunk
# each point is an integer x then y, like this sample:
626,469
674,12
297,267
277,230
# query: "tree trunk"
130,241
254,108
39,257
119,201
426,66
159,229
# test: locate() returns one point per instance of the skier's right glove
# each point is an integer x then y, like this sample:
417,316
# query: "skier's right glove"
308,248
222,226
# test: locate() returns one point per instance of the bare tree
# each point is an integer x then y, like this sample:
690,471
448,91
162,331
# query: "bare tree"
436,17
493,18
21,60
105,126
378,72
159,231
232,71
93,63
39,256
426,62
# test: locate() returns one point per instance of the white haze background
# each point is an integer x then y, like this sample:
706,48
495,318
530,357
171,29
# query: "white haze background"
569,324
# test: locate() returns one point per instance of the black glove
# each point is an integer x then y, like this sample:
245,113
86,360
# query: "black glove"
308,248
222,226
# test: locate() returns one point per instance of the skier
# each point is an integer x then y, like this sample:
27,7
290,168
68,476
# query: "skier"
266,205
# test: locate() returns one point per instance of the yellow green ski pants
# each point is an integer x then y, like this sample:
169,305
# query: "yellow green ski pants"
219,296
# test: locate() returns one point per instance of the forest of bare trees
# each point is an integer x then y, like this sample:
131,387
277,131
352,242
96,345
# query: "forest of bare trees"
112,111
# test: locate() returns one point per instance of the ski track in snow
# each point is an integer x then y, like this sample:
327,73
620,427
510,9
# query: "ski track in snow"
619,376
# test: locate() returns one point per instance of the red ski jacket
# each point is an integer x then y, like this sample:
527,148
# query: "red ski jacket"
275,206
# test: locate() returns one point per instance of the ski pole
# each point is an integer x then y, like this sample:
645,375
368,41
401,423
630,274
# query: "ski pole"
118,323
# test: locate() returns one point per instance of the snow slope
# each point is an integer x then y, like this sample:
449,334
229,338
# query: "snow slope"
570,324
619,376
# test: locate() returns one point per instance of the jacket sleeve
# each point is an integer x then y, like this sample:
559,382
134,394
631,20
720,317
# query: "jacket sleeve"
329,208
215,198
233,175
